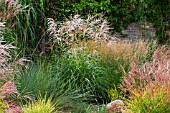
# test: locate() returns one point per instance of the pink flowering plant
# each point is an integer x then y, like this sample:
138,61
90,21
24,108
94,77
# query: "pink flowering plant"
148,85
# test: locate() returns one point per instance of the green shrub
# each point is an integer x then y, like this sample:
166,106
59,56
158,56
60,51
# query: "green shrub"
158,13
117,12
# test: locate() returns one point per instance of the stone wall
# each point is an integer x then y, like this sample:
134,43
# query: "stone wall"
142,29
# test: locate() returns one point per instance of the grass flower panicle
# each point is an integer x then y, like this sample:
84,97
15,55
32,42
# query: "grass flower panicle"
77,28
7,69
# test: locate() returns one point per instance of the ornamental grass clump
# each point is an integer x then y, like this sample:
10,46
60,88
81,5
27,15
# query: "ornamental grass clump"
42,105
52,80
77,28
82,70
148,86
123,52
5,67
8,68
11,9
118,54
23,28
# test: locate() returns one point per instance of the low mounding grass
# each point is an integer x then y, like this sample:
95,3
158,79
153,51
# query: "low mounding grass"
42,105
149,102
43,80
34,80
148,85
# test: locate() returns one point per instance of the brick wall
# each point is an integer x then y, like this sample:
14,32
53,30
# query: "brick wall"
141,29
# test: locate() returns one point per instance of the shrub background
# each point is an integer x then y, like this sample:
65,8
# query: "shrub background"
118,13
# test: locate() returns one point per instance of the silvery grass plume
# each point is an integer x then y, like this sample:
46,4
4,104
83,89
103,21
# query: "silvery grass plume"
12,8
8,67
5,68
1,25
77,28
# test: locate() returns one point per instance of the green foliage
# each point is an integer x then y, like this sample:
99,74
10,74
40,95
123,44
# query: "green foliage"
115,11
91,109
2,106
30,26
158,13
83,70
23,29
118,13
43,80
149,102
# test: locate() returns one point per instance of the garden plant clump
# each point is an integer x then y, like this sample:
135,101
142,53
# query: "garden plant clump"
148,85
7,85
76,27
72,30
77,65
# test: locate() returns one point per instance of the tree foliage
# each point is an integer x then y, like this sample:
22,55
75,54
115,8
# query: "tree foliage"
118,12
